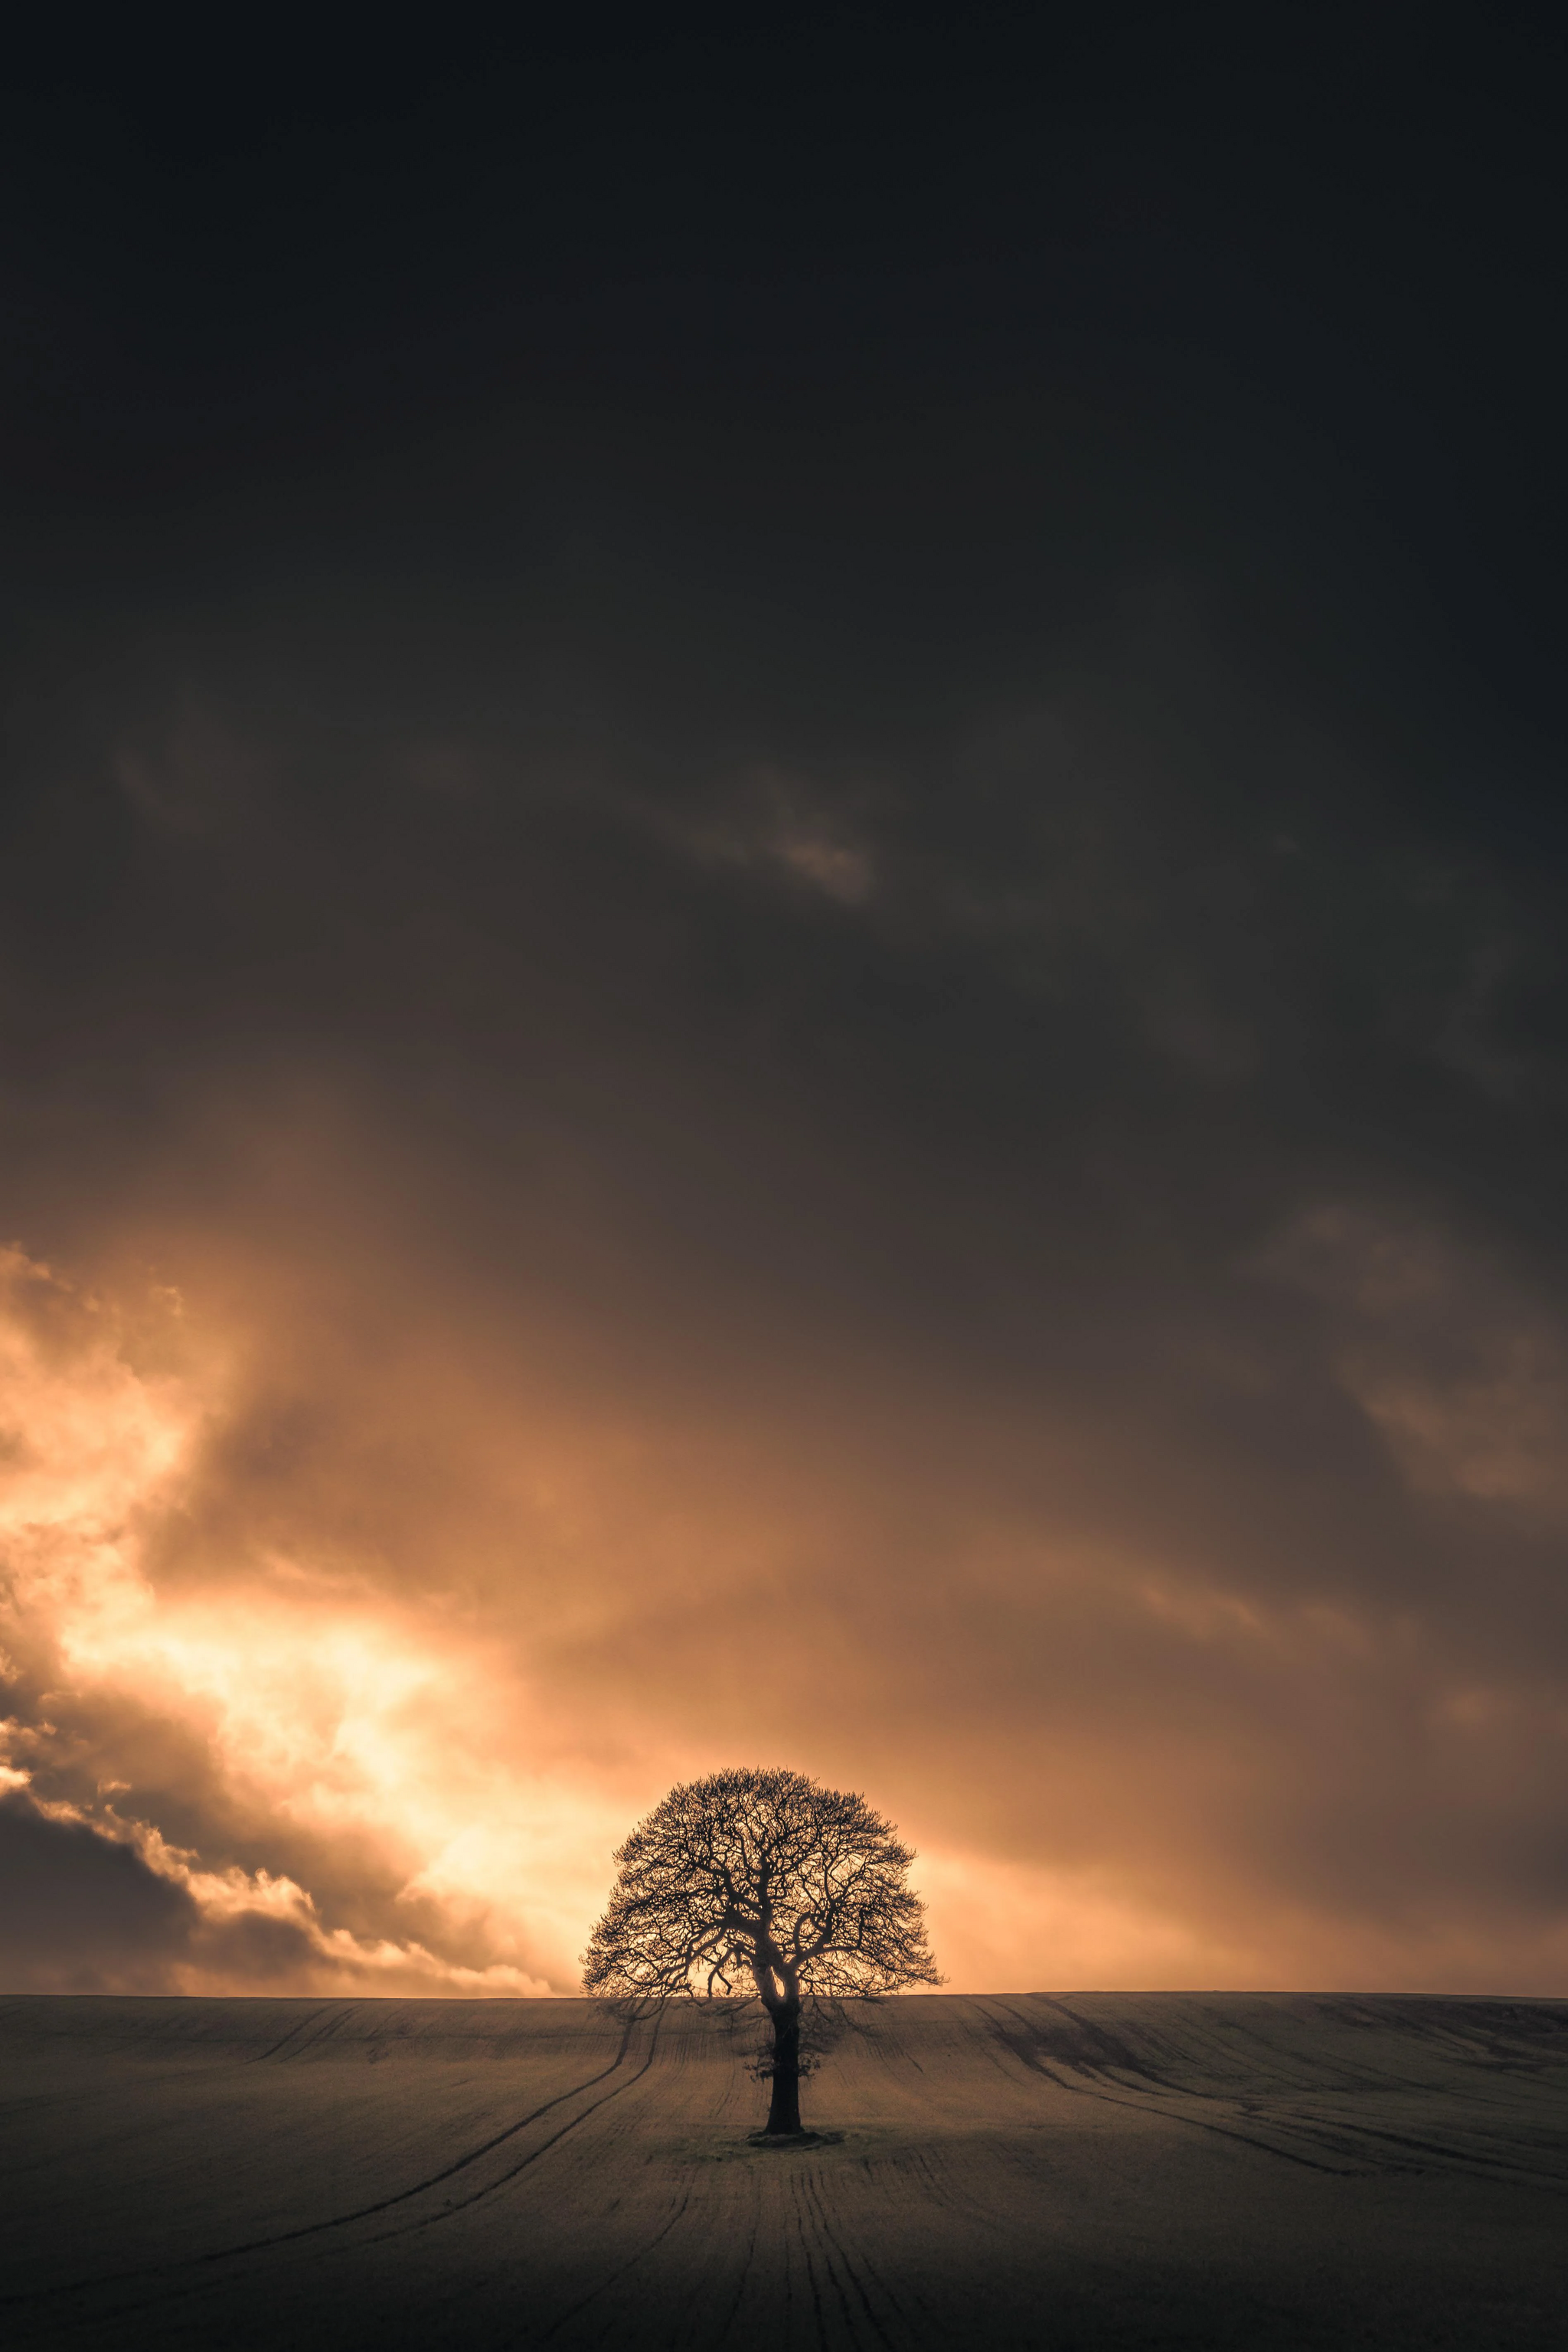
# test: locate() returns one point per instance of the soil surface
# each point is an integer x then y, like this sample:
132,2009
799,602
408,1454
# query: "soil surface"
1074,2170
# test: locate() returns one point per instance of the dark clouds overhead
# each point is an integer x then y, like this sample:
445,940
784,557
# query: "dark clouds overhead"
780,810
79,1906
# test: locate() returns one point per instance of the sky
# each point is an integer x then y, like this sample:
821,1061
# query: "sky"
781,983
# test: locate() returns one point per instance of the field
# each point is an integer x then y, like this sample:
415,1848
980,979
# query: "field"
1078,2170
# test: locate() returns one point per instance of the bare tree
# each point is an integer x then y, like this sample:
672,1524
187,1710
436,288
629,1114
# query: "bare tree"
766,1882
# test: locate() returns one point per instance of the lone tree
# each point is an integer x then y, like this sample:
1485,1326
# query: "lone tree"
767,1881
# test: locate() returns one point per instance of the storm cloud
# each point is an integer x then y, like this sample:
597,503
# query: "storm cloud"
791,1005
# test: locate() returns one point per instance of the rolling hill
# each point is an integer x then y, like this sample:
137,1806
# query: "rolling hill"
1077,2170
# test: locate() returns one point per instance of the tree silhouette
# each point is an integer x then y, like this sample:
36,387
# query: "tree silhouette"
768,1881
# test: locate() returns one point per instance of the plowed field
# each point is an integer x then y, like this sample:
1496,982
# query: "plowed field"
1077,2171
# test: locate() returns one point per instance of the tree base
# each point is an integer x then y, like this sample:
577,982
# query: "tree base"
793,2139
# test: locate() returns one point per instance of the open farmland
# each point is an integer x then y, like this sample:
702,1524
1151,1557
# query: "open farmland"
1074,2170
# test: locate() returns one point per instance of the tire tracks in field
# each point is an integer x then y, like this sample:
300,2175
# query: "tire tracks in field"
810,2272
727,2326
1346,2135
818,2241
1089,2090
407,2229
573,2310
1362,2143
813,2230
381,2204
328,2017
810,2193
1468,2159
461,2205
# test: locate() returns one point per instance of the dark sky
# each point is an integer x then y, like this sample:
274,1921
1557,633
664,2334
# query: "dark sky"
782,982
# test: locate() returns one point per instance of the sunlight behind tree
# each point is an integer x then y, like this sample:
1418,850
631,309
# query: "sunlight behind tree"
765,1881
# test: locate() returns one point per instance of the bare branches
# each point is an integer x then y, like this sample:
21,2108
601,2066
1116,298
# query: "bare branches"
766,1874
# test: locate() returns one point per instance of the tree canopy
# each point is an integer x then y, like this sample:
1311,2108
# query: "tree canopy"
764,1884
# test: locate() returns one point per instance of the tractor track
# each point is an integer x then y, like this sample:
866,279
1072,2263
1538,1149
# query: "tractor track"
1366,2145
379,2205
968,2187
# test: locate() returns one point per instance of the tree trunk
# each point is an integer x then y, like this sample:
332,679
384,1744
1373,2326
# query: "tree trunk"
784,2110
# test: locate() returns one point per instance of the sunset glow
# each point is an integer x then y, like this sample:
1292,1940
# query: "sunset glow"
781,987
411,1758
